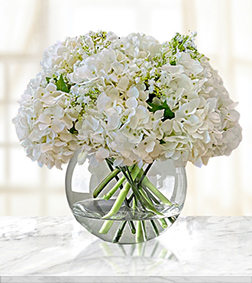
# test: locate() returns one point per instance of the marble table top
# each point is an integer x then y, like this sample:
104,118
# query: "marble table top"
58,249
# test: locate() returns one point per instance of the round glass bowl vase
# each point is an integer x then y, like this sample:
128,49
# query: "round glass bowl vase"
136,219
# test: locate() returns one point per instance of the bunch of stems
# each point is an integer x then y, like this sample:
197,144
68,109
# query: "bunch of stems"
144,196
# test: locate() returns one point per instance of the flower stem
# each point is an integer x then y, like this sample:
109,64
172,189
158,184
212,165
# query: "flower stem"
139,232
147,202
118,202
134,187
112,169
163,223
132,227
144,196
134,204
142,192
154,227
150,195
130,198
172,219
114,189
119,232
145,172
147,183
121,197
104,182
106,226
144,229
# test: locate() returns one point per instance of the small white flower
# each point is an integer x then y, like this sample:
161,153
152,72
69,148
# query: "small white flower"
123,84
101,154
131,102
133,92
113,121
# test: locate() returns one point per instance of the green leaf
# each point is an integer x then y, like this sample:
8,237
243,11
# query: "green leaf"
61,85
48,79
73,130
168,114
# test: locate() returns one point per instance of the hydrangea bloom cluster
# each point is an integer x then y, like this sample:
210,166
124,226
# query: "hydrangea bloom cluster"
130,99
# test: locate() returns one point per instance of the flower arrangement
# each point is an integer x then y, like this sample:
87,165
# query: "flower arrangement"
129,101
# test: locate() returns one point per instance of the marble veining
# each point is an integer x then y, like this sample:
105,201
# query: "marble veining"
44,247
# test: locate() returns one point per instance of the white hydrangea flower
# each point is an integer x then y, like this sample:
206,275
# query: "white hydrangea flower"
130,99
43,125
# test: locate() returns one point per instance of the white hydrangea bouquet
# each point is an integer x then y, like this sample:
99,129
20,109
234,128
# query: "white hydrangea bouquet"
129,101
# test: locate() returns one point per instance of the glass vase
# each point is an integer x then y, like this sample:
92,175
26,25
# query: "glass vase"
125,205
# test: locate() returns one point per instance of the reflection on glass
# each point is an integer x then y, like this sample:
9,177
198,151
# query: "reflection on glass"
114,259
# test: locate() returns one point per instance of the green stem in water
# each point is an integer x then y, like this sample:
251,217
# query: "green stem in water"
163,223
104,182
121,197
145,172
132,227
130,198
106,226
135,190
153,224
150,189
147,183
143,193
172,219
150,195
118,202
132,182
139,232
144,229
114,189
112,169
147,202
119,232
134,205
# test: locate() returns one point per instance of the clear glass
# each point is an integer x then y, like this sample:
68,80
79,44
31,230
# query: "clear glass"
88,211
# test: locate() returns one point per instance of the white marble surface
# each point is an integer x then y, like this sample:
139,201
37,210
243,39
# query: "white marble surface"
58,249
